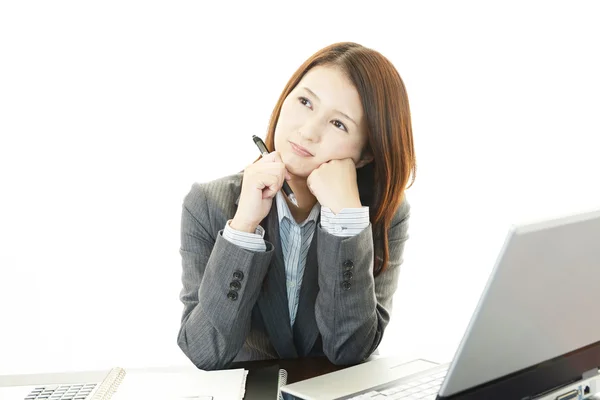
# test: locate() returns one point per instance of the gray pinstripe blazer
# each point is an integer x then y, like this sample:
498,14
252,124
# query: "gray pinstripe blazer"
342,312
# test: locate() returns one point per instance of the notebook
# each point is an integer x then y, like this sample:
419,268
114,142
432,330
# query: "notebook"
119,384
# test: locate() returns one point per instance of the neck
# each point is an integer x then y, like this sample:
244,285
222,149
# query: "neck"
306,200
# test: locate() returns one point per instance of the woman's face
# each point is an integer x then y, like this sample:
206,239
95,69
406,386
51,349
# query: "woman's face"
322,119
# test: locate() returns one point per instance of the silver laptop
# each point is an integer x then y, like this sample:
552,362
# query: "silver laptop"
535,333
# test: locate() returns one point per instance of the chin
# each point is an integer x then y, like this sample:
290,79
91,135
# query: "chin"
299,169
301,175
299,172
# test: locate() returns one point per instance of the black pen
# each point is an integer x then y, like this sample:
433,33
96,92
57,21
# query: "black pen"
264,151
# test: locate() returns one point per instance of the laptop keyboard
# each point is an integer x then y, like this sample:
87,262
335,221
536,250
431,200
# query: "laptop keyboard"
424,387
65,392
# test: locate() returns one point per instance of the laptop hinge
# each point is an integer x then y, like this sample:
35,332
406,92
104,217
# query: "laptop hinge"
590,374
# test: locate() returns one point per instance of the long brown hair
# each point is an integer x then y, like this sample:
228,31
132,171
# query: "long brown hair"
382,182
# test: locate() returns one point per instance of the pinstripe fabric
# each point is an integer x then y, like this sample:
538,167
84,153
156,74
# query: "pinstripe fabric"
297,237
340,315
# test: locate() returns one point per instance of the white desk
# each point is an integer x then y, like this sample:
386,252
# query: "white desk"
80,376
159,383
95,376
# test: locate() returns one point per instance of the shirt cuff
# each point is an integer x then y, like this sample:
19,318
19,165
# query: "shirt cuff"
348,222
249,241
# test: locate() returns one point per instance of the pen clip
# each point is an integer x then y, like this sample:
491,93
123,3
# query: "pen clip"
262,147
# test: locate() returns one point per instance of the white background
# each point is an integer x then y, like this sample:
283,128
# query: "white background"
109,111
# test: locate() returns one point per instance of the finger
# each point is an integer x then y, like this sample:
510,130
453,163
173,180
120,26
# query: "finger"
283,174
269,182
277,160
265,158
266,180
308,183
271,191
310,189
270,185
273,168
276,156
280,178
271,157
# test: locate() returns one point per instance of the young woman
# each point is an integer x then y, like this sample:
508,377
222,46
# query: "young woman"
264,278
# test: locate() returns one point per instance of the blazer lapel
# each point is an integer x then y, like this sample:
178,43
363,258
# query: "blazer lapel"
305,326
273,301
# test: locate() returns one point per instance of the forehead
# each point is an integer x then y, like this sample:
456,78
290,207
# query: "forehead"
334,90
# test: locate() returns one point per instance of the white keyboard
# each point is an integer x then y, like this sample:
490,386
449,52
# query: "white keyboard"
423,387
64,392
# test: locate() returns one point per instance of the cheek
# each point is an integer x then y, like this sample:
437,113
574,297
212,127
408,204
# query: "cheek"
283,126
291,115
345,149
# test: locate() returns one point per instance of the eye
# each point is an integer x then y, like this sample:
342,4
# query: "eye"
341,123
304,100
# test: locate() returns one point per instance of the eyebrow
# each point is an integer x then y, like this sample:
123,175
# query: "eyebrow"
314,94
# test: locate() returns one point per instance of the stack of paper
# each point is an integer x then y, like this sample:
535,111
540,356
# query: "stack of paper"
190,385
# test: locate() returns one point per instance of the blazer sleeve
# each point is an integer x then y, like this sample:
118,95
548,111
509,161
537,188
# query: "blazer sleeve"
353,308
221,284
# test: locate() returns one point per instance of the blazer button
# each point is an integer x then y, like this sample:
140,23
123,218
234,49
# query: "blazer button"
238,275
235,285
348,265
346,285
232,295
348,275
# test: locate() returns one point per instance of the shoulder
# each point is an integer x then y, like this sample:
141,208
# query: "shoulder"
217,195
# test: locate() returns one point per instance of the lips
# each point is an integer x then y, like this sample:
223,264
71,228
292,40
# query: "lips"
300,149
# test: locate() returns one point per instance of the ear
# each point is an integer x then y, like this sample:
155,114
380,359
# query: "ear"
365,158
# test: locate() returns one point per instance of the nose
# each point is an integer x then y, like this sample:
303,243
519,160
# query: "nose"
311,130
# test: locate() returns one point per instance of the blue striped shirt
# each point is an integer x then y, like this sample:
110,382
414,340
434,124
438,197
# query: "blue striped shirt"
296,238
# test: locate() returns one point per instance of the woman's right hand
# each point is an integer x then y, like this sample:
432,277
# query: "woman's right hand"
261,182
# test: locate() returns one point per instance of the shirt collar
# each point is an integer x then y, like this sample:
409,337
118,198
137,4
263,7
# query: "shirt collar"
283,211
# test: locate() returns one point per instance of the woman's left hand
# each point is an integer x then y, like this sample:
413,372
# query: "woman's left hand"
334,185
